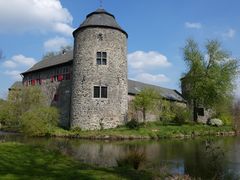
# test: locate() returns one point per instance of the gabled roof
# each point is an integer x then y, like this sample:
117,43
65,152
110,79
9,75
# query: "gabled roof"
135,87
52,61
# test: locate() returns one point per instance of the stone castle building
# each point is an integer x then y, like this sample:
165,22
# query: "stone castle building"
89,85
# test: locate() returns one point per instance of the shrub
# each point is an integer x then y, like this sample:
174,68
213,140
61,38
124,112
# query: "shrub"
215,122
133,124
19,102
39,121
3,112
171,112
182,114
227,119
166,112
133,159
8,116
223,111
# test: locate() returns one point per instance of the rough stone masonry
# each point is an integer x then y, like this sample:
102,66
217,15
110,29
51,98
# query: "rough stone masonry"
90,108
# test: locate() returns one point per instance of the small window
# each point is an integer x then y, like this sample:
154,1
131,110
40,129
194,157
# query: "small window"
98,61
200,111
104,92
96,92
99,54
100,92
101,58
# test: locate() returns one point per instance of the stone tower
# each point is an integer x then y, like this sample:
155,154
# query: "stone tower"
99,87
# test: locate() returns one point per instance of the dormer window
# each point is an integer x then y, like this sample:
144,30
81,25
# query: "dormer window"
101,58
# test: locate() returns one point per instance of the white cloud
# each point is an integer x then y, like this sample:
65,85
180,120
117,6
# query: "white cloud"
14,74
19,61
152,79
35,15
9,64
55,44
140,60
63,28
26,61
230,33
193,25
145,66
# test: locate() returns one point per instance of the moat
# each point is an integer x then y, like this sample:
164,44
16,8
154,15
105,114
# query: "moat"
201,157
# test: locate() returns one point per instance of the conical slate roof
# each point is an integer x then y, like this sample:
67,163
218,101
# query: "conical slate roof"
100,18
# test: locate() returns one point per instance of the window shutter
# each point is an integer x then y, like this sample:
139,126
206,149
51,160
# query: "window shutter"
33,82
60,77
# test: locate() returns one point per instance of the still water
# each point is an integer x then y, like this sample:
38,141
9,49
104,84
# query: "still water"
205,158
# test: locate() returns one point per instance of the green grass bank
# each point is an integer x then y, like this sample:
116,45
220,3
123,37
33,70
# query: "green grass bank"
20,161
152,130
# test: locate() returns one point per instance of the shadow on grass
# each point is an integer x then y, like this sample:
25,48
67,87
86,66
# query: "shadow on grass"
19,161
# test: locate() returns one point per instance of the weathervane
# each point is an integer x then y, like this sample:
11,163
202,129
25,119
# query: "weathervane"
101,3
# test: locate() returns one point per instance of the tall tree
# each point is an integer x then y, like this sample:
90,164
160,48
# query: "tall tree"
210,75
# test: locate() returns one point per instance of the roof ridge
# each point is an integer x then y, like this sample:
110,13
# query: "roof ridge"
151,85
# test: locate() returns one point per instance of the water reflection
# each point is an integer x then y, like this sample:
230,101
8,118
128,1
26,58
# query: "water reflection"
219,160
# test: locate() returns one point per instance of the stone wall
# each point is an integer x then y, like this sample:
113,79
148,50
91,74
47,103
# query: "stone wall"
207,116
99,113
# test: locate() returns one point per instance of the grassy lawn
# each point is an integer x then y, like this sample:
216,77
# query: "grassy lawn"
153,130
20,161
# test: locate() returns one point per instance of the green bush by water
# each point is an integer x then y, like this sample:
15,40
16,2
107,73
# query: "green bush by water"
39,121
134,159
133,124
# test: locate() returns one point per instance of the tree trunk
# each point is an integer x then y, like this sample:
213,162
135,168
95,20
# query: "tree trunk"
195,115
144,115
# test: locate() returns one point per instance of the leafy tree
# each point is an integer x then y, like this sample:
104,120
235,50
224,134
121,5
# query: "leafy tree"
223,111
49,54
39,121
171,112
21,100
210,75
166,112
26,110
66,48
55,53
146,100
3,112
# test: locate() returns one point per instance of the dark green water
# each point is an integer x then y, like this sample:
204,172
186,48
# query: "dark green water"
206,158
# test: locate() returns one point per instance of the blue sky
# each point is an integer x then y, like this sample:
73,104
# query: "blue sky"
157,33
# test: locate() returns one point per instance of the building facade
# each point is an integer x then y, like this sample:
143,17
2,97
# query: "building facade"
99,86
89,85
